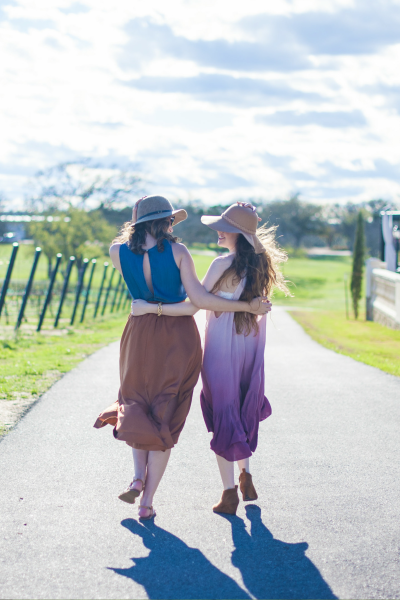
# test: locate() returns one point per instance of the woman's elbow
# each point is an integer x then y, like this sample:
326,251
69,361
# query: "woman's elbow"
202,303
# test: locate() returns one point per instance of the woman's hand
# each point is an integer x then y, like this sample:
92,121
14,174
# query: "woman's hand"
260,305
141,307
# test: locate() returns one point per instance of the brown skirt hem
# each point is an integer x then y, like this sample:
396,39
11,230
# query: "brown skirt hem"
160,361
149,448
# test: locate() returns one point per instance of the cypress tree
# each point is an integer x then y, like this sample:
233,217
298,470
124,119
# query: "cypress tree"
358,263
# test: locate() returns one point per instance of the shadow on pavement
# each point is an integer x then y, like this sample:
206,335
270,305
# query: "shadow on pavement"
271,568
173,570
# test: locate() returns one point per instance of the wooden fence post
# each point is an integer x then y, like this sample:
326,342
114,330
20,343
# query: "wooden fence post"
108,291
88,290
100,290
28,288
116,293
121,296
49,291
64,289
6,282
79,288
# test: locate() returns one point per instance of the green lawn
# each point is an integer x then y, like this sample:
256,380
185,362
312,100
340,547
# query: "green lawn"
316,283
31,362
202,263
320,308
368,342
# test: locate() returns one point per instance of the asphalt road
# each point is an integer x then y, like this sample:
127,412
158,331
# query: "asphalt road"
327,471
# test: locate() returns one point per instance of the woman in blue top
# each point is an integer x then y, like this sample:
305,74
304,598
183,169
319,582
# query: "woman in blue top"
160,358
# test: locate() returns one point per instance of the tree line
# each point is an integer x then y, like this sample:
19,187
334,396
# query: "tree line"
91,204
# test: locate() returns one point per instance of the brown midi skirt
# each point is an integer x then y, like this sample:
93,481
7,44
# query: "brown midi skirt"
160,361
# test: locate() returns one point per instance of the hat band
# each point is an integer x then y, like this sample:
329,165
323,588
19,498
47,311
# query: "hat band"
155,212
238,226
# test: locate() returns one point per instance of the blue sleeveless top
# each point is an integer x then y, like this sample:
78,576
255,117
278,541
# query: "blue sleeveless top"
165,275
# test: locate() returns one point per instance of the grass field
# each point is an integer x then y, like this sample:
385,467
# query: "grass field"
29,359
319,306
316,283
365,341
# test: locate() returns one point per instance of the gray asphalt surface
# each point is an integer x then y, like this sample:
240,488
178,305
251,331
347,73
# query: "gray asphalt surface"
327,471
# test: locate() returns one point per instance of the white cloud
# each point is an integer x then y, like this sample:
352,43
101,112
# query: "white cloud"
213,100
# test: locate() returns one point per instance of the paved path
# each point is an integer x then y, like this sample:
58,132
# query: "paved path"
327,471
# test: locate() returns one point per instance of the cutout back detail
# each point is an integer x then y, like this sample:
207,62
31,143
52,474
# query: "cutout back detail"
147,272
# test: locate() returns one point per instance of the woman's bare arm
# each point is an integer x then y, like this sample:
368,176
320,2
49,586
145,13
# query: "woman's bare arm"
181,309
203,299
216,269
114,255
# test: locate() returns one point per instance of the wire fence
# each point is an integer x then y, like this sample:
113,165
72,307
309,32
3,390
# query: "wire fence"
69,295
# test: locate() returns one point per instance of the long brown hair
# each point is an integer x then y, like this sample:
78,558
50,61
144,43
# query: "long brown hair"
135,234
261,271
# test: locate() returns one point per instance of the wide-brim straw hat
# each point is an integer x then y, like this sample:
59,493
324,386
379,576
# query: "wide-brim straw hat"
158,207
238,218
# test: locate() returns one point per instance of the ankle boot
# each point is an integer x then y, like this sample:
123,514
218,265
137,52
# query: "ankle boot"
228,503
246,486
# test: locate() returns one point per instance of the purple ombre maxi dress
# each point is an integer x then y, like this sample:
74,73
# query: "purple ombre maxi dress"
232,398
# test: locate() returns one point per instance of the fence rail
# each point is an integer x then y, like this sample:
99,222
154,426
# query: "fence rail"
383,294
58,300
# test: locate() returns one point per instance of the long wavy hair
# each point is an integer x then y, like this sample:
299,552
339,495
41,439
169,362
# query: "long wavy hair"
135,234
262,273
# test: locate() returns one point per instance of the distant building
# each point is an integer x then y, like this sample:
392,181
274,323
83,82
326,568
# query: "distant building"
13,226
383,275
390,239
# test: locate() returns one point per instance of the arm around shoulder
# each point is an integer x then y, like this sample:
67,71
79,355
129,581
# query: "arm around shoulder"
203,299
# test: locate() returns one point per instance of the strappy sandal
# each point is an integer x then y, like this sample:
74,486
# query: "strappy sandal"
152,514
130,494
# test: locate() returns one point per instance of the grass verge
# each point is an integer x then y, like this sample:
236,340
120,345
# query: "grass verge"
316,283
319,306
365,341
30,362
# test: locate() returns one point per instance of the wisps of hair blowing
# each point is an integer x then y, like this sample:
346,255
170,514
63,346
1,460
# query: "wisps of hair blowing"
135,235
262,274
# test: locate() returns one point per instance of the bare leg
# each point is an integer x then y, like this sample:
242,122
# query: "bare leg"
227,471
246,481
140,458
156,464
244,463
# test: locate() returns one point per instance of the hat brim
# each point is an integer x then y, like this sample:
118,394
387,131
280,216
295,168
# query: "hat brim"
220,224
180,215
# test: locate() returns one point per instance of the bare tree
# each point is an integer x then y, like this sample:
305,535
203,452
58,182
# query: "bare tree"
83,185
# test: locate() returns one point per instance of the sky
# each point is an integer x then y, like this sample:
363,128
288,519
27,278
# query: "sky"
214,100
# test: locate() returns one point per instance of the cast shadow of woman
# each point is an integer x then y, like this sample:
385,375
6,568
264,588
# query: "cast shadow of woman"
174,570
271,568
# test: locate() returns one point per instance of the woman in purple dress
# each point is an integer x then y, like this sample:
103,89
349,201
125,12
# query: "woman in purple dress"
232,398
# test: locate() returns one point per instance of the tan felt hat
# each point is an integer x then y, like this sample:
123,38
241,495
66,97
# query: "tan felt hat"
158,207
238,218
